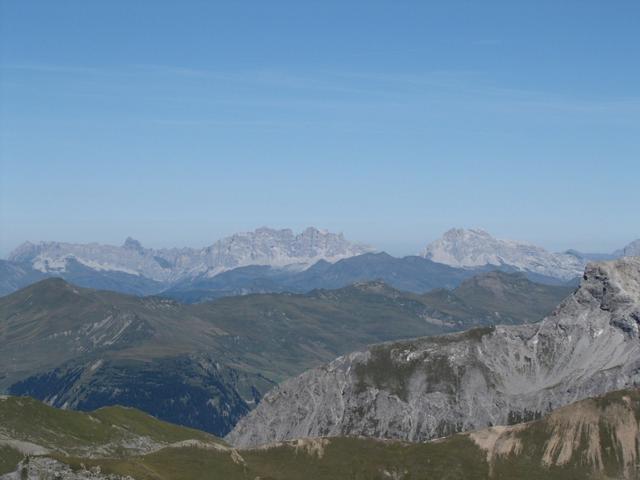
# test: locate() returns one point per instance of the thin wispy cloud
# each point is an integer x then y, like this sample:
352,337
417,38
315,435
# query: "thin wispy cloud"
473,85
52,68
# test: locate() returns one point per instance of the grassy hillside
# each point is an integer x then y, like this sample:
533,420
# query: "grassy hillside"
591,439
29,420
206,365
31,428
277,335
498,297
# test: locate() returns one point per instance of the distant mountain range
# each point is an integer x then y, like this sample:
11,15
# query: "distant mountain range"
413,274
269,260
207,365
264,246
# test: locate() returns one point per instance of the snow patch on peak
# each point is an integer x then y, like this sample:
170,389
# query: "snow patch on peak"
46,264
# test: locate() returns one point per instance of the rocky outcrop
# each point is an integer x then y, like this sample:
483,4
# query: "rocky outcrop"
431,387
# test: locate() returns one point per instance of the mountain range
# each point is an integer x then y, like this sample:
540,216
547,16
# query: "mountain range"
412,274
269,260
420,389
469,370
81,348
264,246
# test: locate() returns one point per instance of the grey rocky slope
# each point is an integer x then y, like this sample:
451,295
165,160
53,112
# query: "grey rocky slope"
264,246
631,250
474,248
431,387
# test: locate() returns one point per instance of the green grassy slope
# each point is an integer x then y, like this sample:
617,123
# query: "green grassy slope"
9,459
278,335
498,297
591,439
29,420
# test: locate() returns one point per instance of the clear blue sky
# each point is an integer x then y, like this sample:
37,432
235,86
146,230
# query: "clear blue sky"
180,122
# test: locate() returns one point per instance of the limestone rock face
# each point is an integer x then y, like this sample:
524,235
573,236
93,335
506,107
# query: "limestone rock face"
431,387
264,246
474,247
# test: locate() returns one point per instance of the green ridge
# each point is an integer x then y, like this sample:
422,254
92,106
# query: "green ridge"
458,457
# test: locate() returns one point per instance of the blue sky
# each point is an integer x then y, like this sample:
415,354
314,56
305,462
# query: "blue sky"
180,122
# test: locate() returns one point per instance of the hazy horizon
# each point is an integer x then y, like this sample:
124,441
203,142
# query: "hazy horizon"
181,124
409,248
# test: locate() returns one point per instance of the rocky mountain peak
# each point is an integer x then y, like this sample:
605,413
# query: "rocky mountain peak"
279,248
475,247
132,244
631,250
456,234
613,288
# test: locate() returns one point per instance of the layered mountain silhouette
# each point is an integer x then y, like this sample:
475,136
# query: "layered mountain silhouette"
82,348
268,260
